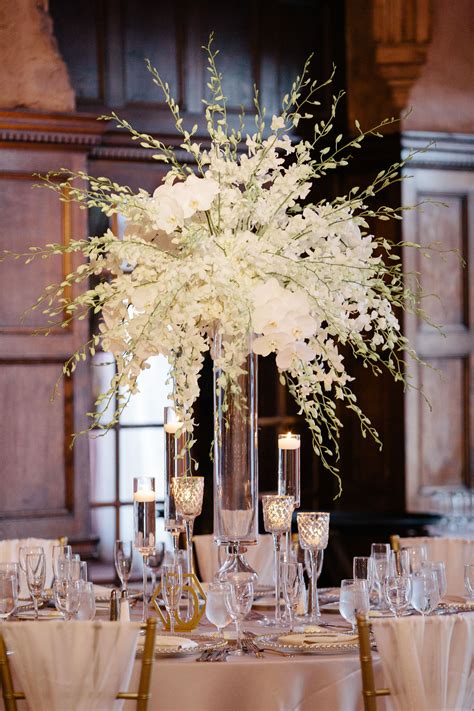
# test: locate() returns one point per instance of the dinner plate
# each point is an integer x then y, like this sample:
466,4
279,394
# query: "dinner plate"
302,644
168,645
43,614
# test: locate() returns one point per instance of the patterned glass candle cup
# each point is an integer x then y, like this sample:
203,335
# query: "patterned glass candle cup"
313,532
277,513
188,492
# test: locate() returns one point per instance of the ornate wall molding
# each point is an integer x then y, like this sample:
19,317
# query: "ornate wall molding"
402,33
68,129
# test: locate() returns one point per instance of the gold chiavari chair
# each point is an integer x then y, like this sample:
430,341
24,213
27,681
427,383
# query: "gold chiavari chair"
369,691
395,542
142,696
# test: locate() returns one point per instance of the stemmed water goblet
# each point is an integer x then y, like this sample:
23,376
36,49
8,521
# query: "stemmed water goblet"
379,553
313,532
397,590
123,559
35,577
87,609
67,598
439,569
216,610
8,595
425,590
238,600
293,585
277,513
469,580
171,589
353,600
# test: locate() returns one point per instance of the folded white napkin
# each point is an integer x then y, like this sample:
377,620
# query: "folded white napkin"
74,665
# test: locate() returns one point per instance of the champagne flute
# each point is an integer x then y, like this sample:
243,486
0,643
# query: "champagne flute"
171,589
35,577
379,553
123,558
216,609
353,599
60,552
362,569
8,595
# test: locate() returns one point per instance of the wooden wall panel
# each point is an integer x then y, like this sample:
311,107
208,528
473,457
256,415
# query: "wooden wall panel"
439,441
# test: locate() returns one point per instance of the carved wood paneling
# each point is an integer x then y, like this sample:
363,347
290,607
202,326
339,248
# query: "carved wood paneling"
439,441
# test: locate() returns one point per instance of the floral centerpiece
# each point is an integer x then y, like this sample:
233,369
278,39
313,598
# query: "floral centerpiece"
232,244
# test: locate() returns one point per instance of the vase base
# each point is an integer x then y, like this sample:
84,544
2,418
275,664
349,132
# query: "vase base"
235,562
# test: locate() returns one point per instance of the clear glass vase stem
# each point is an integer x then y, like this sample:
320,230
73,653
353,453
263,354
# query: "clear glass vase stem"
276,550
145,585
315,613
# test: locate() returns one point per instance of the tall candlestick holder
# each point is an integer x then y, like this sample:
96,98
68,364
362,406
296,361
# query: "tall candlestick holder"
144,521
277,513
289,474
313,532
188,493
177,464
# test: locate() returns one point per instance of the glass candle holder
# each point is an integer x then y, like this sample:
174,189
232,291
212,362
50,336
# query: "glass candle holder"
313,532
289,474
188,493
277,513
177,461
144,521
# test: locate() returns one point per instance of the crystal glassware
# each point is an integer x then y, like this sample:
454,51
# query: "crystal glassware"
86,610
238,600
35,576
60,551
123,559
154,562
362,569
379,553
67,596
188,493
144,522
177,463
397,590
425,590
23,552
313,532
171,589
11,570
277,513
399,562
68,569
418,554
289,473
8,595
293,584
353,599
235,460
216,610
440,569
469,580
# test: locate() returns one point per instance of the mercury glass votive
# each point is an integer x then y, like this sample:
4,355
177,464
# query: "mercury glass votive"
188,493
277,513
313,532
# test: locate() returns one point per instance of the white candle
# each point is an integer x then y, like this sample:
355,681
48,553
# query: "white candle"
289,441
143,495
172,427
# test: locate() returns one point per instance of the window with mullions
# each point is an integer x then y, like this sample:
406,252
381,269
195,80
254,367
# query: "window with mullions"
133,447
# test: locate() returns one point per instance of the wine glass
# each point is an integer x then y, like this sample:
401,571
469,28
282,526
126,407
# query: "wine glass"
59,552
86,610
171,589
418,554
293,584
469,580
35,576
397,589
425,590
23,552
313,534
123,557
238,600
68,569
216,609
379,553
154,562
67,596
8,595
353,599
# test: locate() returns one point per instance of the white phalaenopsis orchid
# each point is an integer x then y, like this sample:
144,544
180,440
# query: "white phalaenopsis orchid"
232,246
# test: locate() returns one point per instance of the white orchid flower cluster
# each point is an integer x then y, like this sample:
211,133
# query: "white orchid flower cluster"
232,246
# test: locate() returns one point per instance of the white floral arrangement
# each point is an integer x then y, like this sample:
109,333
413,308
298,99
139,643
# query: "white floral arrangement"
231,245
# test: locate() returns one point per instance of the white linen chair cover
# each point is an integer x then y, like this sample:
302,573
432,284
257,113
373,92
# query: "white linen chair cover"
260,557
10,553
454,551
62,666
427,662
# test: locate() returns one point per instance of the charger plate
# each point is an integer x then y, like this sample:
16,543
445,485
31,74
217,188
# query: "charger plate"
317,647
453,607
168,645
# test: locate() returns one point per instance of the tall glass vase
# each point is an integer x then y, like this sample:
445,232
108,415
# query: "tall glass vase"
235,465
